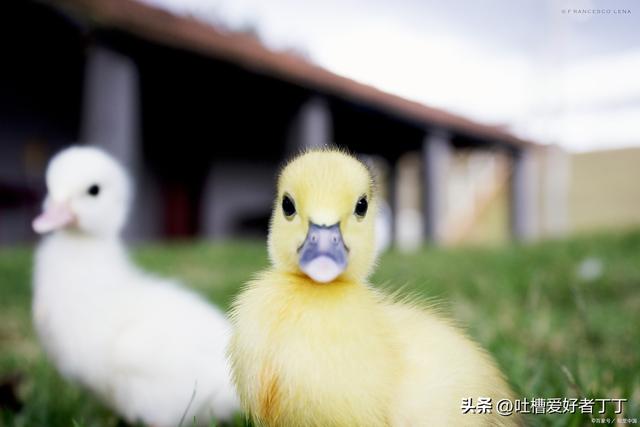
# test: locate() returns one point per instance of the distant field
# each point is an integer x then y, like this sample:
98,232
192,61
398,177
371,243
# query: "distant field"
554,333
605,189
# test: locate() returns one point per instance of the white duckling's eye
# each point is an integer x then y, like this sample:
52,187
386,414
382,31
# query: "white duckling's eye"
94,190
288,207
361,207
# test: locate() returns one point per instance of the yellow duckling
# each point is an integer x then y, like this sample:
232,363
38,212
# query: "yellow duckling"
315,345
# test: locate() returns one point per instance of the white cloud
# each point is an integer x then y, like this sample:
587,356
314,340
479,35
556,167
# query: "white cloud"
437,70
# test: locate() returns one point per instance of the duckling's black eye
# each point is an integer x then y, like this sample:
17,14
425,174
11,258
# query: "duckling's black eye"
361,207
288,207
94,190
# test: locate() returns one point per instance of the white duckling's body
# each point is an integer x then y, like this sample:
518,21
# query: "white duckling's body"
149,348
315,345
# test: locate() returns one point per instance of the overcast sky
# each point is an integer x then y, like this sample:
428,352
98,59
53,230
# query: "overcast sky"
547,73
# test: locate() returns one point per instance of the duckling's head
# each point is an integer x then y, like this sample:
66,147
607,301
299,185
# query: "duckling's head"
88,192
324,217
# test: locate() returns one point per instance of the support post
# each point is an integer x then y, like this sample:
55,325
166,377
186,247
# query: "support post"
110,110
311,127
393,198
111,120
524,209
436,151
555,182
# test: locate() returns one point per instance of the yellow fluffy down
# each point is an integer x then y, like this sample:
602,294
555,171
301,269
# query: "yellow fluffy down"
343,353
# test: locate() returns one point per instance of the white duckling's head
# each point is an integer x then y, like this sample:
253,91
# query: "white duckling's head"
88,192
323,220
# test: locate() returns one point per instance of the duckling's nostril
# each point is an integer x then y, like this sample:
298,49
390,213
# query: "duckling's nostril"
314,238
334,239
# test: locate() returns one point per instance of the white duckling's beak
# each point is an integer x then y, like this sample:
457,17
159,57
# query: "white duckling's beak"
53,217
323,255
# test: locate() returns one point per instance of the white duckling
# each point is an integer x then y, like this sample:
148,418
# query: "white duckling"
152,350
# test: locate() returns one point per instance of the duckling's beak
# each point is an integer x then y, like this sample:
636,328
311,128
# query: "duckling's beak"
54,216
323,255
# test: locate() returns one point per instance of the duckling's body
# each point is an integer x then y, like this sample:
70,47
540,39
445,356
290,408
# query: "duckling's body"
148,347
345,355
335,352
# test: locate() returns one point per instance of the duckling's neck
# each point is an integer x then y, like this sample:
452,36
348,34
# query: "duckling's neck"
85,245
326,301
68,256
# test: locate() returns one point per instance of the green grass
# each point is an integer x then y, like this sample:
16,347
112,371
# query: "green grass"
553,334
